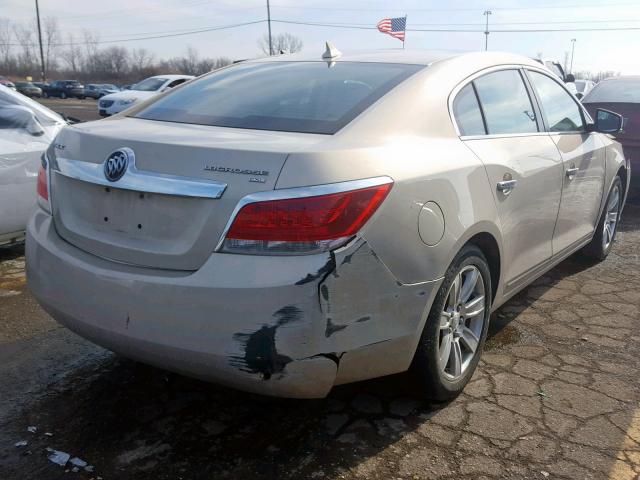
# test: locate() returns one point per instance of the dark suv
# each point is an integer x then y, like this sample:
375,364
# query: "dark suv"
64,89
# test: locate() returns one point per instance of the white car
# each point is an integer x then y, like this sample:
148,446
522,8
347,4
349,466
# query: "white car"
26,131
583,87
147,88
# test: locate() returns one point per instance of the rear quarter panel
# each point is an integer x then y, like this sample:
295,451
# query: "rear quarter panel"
420,150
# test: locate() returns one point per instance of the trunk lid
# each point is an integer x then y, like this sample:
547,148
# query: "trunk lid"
145,227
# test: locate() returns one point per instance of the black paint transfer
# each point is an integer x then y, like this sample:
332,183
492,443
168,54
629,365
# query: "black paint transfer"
332,328
327,268
260,353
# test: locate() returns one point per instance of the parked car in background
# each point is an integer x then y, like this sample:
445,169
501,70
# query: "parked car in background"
64,89
7,83
621,95
28,89
99,90
278,226
147,88
41,85
26,130
583,87
556,69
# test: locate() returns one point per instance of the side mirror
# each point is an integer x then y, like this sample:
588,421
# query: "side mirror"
17,116
607,122
569,78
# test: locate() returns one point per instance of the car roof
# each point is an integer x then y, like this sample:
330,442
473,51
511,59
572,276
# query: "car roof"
172,76
621,77
412,56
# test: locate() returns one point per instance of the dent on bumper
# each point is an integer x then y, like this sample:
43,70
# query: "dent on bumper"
282,326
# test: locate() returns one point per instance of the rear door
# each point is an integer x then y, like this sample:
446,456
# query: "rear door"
583,158
522,164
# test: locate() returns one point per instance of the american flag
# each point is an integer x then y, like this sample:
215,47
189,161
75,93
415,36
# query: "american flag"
393,26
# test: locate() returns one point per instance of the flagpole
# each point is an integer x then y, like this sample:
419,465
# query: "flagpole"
405,30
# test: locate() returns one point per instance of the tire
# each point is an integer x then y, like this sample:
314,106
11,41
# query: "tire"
45,95
607,226
63,95
438,380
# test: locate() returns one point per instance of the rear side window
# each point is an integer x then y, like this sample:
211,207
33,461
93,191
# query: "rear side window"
307,97
505,102
466,111
560,110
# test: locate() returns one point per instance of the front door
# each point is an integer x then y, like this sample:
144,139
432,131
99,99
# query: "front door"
583,158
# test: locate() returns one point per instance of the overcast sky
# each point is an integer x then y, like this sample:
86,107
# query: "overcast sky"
127,19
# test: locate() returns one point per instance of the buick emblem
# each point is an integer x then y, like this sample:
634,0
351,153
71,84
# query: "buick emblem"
117,163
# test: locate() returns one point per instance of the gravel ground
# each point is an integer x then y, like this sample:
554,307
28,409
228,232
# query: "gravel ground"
555,396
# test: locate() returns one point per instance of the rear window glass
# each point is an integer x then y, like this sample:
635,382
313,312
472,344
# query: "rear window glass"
307,97
467,112
615,91
505,102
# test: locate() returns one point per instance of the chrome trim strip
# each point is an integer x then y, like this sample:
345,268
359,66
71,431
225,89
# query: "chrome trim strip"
503,135
139,180
300,192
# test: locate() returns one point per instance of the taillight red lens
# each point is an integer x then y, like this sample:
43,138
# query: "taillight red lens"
308,219
303,225
43,191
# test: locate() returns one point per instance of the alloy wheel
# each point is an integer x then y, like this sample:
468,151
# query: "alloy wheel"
461,323
611,218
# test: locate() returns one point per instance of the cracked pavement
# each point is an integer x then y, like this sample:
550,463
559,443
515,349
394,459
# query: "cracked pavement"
555,396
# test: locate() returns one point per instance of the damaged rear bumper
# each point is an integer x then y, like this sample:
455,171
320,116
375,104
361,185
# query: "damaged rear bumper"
281,326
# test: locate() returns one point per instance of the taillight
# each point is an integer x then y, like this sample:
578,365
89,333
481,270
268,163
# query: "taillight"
304,224
43,185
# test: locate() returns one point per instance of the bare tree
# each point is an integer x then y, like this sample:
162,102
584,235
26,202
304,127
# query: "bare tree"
51,39
82,57
141,59
90,41
282,43
72,55
112,62
6,36
26,59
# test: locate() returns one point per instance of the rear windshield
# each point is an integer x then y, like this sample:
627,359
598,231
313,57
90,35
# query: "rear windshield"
149,84
306,97
615,91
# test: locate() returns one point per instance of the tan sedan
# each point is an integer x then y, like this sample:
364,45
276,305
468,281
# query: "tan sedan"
289,224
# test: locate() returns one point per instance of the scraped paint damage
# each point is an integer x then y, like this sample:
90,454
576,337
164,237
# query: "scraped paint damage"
326,269
332,328
260,352
360,304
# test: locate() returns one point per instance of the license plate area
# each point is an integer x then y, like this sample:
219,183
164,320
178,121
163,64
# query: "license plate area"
126,211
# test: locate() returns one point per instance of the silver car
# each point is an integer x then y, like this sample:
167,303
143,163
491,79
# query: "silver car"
289,224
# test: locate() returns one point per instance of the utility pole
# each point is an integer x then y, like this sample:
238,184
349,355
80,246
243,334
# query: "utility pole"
573,47
42,70
486,29
269,23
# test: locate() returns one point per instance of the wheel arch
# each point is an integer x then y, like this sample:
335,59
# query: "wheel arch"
624,176
486,236
489,247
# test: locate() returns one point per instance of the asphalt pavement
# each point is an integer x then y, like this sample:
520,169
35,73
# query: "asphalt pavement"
84,110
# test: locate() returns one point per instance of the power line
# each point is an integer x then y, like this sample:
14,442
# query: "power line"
336,25
457,30
191,32
465,9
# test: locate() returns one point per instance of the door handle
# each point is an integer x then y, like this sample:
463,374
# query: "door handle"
572,172
506,186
